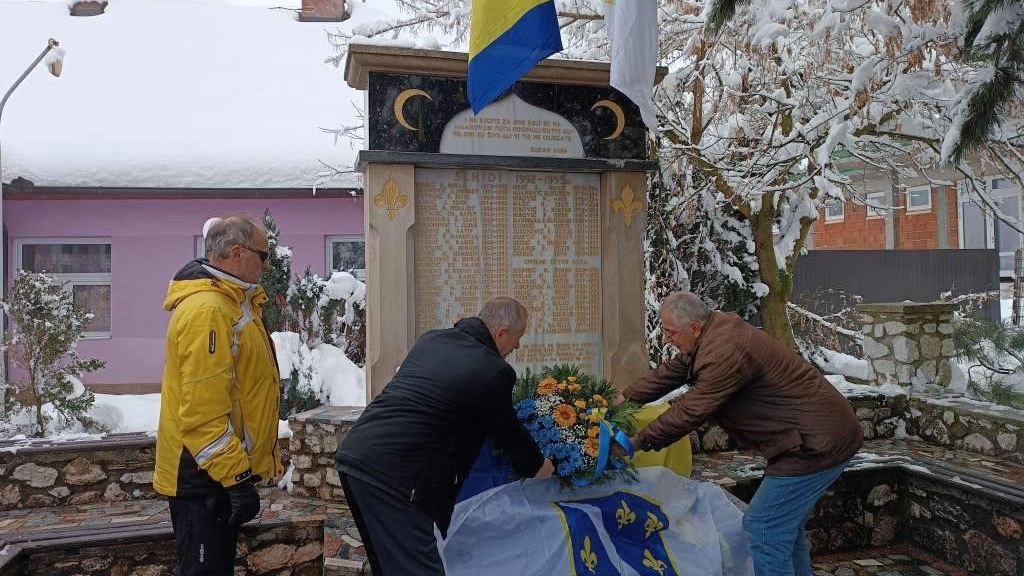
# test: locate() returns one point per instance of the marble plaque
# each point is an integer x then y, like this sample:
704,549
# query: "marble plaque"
535,236
512,127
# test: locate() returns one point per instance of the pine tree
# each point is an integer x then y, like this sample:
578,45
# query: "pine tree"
994,41
276,315
46,332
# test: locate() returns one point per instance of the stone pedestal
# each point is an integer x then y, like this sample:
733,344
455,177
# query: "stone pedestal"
907,343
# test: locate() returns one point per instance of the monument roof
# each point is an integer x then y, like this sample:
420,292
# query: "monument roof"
376,57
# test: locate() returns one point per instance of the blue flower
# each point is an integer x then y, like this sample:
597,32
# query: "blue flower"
526,408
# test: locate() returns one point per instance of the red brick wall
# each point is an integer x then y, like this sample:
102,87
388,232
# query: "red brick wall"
919,230
855,232
913,230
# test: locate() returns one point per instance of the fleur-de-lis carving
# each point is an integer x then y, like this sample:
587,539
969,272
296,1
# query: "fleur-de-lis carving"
391,199
653,563
652,525
624,515
588,556
627,204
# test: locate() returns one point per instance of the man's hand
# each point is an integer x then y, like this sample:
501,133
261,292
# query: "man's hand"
245,503
619,451
546,470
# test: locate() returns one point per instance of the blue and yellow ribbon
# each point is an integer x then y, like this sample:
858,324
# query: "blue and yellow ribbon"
607,434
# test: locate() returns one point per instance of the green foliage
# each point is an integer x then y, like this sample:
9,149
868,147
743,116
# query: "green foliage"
275,281
295,398
46,331
990,101
997,353
721,12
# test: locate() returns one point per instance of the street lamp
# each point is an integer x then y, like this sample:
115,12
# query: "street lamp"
53,54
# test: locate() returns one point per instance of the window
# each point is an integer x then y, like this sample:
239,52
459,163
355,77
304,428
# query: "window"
83,265
981,228
919,199
834,211
877,204
347,254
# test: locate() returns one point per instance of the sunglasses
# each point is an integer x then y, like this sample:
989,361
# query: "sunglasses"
263,254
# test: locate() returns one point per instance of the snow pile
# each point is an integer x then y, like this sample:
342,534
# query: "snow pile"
219,94
848,389
324,369
127,412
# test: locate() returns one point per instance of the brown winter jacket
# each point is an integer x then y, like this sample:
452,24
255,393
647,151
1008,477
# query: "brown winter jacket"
762,393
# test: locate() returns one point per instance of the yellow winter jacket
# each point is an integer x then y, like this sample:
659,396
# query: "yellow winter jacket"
220,394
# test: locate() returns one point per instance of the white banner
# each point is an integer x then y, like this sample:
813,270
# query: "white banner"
632,27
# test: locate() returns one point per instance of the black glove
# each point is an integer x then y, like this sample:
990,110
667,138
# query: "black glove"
245,503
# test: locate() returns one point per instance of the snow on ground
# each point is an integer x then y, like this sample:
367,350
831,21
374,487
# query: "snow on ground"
177,93
127,412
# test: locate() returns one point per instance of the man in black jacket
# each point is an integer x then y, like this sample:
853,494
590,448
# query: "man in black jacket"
404,461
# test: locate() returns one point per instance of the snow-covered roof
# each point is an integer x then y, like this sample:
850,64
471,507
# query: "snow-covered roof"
177,93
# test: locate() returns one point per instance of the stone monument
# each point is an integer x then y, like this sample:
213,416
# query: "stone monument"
542,197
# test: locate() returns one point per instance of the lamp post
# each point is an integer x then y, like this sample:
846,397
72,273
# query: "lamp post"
54,56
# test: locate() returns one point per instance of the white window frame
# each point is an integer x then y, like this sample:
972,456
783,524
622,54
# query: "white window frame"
874,202
835,217
329,253
919,209
75,279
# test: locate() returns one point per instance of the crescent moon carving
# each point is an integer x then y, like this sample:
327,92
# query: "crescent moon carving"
400,105
620,118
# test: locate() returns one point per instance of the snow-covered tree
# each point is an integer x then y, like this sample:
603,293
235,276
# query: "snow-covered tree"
994,41
276,280
320,361
46,331
765,108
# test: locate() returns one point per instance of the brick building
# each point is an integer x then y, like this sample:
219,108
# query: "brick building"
912,214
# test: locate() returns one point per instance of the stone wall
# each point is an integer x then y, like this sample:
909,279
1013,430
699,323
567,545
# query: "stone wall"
293,549
961,423
979,529
907,343
880,415
37,474
315,438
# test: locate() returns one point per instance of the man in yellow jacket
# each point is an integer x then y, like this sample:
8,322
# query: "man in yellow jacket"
220,398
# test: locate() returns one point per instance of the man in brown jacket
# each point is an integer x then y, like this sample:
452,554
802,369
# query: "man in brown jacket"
766,397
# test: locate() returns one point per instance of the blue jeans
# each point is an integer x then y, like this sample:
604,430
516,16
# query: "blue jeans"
775,520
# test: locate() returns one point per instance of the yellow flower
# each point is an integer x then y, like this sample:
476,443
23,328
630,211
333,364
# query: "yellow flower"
565,415
591,447
572,378
575,387
562,386
580,403
598,397
593,432
547,386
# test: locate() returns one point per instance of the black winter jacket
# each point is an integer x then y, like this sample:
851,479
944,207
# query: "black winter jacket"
420,436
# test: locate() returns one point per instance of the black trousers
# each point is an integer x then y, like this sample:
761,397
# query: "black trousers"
205,543
398,536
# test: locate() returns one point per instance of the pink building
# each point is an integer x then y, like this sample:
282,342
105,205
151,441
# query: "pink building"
110,170
119,254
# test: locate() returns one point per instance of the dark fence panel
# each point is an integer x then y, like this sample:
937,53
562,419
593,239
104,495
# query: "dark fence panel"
898,275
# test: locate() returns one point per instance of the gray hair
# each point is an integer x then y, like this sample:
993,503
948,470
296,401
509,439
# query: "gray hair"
230,231
504,312
685,307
